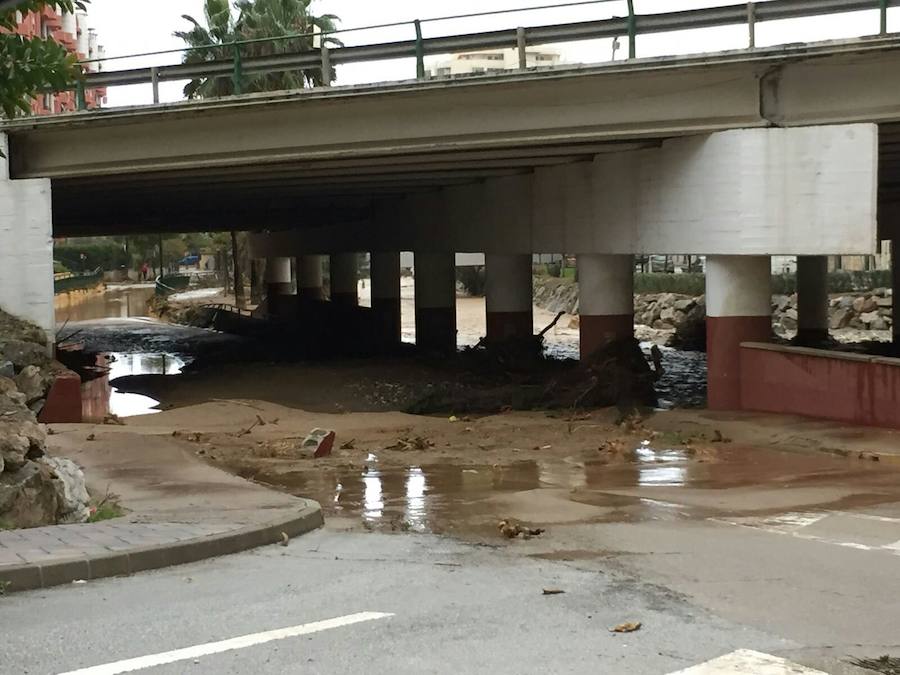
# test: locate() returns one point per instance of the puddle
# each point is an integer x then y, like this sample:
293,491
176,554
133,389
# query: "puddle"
648,483
101,399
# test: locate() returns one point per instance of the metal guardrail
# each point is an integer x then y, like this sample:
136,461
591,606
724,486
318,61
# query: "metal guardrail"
77,282
520,38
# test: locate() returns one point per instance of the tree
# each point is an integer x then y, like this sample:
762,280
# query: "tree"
210,43
291,19
30,65
257,21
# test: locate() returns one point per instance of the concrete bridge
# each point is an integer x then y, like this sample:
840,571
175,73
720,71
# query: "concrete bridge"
737,156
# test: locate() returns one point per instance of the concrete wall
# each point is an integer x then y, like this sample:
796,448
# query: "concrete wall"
850,388
26,248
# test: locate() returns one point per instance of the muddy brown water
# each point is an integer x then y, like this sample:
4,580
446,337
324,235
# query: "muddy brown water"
652,484
115,302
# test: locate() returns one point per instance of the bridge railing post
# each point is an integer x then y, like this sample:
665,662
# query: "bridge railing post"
520,45
154,82
883,7
420,51
751,23
326,65
80,95
632,31
237,76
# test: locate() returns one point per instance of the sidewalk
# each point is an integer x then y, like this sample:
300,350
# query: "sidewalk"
180,510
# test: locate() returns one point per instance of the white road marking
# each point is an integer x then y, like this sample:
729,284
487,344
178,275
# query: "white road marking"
242,642
793,524
748,662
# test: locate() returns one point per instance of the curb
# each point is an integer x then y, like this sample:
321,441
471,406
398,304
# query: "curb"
35,576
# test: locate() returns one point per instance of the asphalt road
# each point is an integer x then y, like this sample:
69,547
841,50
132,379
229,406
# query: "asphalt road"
453,607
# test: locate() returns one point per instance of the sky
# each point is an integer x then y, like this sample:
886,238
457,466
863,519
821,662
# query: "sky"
127,27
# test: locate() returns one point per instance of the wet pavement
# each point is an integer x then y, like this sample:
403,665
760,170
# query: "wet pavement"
646,484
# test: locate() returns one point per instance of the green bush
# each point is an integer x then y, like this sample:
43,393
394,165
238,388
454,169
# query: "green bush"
685,284
108,256
782,284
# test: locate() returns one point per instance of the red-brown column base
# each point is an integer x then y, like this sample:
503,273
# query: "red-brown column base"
724,336
436,329
345,299
63,403
388,331
317,293
503,326
598,331
278,298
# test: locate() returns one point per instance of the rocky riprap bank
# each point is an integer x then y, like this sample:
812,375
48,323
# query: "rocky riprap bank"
35,489
686,315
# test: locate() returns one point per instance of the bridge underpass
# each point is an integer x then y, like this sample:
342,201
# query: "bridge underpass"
737,156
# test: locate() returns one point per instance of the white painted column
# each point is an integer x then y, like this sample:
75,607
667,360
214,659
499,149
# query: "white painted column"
385,273
812,299
509,297
310,277
606,300
344,279
278,285
435,279
26,248
739,309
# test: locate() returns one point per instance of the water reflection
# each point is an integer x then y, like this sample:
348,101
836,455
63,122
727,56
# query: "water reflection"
100,399
416,484
113,303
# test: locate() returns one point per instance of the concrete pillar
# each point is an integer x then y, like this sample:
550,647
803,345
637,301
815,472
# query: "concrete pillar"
278,284
509,297
385,272
812,299
435,278
344,281
26,248
606,300
309,277
739,309
895,274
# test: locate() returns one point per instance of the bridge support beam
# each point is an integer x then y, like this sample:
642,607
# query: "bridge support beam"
606,300
26,248
509,297
739,309
310,278
344,279
385,273
435,278
278,285
812,299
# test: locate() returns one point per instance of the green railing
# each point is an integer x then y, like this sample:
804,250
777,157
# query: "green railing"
77,282
324,57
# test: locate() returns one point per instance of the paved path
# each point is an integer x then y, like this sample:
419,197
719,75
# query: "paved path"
180,510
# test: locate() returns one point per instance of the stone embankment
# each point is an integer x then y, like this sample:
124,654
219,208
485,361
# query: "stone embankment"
35,489
865,311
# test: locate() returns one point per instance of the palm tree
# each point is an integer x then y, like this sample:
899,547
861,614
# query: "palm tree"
256,20
261,19
210,43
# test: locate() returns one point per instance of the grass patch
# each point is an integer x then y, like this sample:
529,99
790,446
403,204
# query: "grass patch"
106,508
3,586
5,525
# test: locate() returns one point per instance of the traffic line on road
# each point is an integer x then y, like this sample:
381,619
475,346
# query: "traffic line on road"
797,524
242,642
748,662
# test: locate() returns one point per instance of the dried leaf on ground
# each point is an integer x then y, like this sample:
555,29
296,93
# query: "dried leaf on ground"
553,591
627,627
